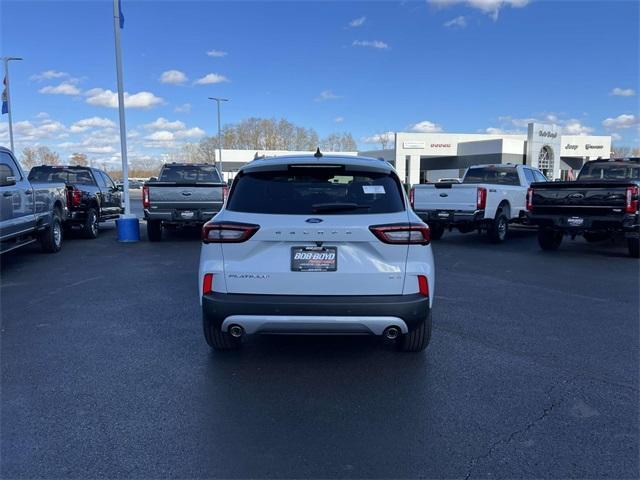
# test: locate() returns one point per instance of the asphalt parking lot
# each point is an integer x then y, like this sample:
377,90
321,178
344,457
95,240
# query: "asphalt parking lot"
532,372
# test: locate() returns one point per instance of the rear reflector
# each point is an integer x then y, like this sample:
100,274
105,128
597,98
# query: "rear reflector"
225,193
402,234
412,196
207,283
481,201
228,232
529,199
632,200
145,196
423,285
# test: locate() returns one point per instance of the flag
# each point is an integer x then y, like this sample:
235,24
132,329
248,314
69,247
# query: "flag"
120,14
5,103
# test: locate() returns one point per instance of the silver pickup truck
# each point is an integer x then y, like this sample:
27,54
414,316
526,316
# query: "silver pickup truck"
29,211
183,195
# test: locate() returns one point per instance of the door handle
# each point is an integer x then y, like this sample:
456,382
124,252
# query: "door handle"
7,194
28,192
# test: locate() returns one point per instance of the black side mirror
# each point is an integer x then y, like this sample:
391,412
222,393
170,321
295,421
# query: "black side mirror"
7,181
153,179
120,188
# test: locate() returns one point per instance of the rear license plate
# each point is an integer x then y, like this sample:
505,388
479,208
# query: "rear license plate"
187,214
575,221
443,214
314,259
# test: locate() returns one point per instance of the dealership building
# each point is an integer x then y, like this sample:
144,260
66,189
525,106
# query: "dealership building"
427,157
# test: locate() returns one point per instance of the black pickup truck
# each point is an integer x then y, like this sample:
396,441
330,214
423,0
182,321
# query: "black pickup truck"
92,196
601,203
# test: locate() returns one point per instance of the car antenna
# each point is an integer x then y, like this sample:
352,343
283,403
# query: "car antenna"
318,153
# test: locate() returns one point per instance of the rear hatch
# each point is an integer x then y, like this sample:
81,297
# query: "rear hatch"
580,198
445,196
314,235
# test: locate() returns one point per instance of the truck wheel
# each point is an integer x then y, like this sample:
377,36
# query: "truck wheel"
217,339
417,340
154,230
436,231
90,227
499,228
549,239
634,247
51,238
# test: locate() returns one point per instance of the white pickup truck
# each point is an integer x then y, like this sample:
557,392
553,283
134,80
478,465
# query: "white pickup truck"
488,199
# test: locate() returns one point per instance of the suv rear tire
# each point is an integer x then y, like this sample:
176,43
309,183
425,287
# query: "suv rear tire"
154,230
436,231
217,339
418,339
549,239
90,227
51,239
634,247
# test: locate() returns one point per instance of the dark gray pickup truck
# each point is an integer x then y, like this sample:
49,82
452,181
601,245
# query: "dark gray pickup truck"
183,195
602,203
29,211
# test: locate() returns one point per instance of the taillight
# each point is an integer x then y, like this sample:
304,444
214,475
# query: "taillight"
402,234
423,285
632,199
225,194
74,197
481,199
145,196
207,283
412,196
530,199
228,232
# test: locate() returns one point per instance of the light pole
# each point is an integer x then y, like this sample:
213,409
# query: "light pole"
6,61
218,100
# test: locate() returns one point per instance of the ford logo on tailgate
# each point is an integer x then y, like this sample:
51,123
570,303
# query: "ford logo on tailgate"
444,195
186,193
575,196
313,220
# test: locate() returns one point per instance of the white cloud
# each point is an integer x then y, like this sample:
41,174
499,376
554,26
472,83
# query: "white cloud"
211,78
338,119
48,75
184,108
106,98
173,77
458,22
162,123
616,137
105,149
426,127
194,132
169,139
357,22
87,123
623,92
575,127
380,45
65,88
42,115
216,53
26,131
621,121
326,95
490,7
379,137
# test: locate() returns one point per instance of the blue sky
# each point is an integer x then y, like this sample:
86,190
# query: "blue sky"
362,67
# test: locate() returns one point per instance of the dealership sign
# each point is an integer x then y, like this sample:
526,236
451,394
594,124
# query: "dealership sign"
547,134
440,145
412,144
594,147
571,147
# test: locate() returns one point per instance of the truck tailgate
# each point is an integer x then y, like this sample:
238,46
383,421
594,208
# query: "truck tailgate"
579,197
165,195
445,196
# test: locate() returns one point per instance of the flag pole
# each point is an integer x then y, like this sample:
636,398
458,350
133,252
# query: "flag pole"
6,86
123,129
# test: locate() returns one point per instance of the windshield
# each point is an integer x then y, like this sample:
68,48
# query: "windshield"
610,171
189,173
61,175
492,175
316,190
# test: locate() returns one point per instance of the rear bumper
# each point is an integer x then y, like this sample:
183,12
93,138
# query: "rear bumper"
368,315
451,217
628,223
179,215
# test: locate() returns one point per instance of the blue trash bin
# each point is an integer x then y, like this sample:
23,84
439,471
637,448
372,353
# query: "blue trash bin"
128,228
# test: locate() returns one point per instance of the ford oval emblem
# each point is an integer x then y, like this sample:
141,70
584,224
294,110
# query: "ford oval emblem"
444,195
576,196
313,220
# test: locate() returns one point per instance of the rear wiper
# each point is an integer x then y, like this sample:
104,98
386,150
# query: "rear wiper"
337,207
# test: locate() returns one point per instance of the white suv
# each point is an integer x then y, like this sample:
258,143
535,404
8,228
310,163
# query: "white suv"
316,245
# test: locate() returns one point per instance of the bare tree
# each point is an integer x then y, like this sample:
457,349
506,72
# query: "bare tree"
29,158
79,159
339,142
48,157
385,139
620,151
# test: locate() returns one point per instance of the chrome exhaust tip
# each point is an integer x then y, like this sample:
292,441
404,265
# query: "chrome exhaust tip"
392,333
236,331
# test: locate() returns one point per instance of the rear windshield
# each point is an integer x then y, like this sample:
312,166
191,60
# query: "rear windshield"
609,171
304,191
71,176
189,173
492,175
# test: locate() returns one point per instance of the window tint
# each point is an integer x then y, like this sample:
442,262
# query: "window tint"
189,173
493,175
539,176
107,180
312,190
7,161
610,171
528,174
5,171
72,176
